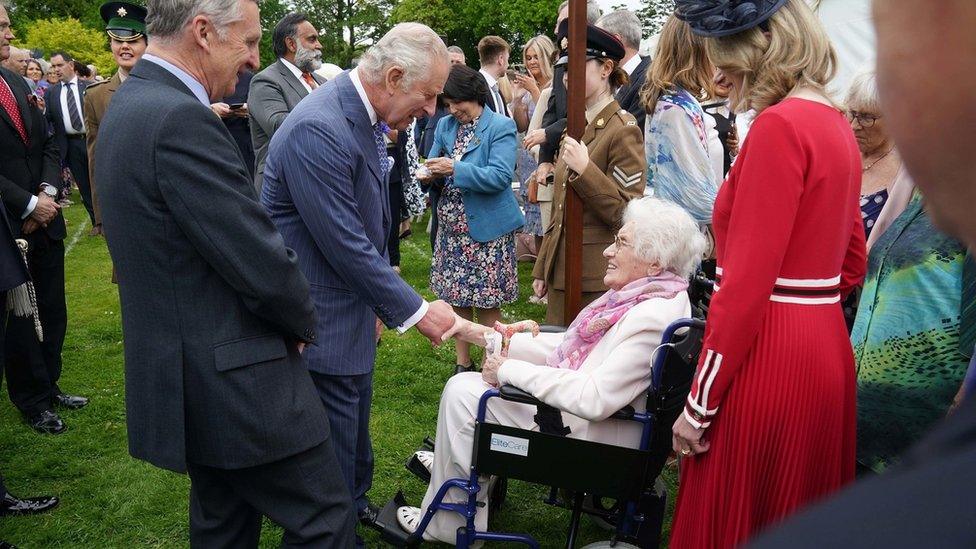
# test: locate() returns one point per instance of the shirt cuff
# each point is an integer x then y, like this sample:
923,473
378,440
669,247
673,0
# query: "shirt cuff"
414,318
30,207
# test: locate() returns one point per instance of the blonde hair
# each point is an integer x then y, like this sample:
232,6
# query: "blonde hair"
505,89
795,53
546,50
682,61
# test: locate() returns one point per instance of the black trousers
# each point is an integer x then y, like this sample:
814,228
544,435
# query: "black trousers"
304,494
76,157
33,368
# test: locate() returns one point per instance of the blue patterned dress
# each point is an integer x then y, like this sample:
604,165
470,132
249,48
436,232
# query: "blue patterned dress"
525,165
465,272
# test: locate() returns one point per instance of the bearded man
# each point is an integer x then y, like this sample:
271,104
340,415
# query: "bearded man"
277,89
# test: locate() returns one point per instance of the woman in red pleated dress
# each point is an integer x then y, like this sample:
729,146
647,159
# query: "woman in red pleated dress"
769,424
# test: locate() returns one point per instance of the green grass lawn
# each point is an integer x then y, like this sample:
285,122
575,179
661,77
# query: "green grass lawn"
109,499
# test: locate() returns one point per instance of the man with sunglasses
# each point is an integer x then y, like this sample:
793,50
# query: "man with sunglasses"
125,25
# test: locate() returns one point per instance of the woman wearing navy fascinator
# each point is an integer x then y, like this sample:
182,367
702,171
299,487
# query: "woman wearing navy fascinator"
769,425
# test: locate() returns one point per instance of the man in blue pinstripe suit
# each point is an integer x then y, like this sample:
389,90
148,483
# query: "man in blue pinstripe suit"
325,187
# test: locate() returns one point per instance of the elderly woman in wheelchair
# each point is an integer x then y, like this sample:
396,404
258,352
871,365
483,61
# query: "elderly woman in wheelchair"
599,365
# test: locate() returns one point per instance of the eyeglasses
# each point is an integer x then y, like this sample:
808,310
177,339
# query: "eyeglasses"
863,119
618,243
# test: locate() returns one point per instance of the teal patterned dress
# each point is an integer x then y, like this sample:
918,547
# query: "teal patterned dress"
906,336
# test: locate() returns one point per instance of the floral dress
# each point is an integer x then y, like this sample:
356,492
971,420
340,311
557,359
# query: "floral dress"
465,272
525,166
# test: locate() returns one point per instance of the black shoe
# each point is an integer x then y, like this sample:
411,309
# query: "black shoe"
47,422
7,545
461,368
368,516
11,505
71,402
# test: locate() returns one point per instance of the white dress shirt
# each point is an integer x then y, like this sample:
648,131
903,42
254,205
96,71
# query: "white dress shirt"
297,72
373,118
496,95
631,65
65,115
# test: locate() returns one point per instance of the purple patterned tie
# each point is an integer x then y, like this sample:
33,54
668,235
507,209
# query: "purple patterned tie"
379,130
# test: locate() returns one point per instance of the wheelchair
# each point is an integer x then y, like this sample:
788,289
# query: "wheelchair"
587,471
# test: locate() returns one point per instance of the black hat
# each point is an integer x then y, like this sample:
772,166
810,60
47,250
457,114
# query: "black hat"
714,18
124,21
600,44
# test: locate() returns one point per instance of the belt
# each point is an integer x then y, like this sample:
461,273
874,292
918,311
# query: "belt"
799,291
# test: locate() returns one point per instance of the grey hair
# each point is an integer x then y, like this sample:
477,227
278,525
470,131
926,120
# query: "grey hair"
165,19
625,24
665,233
862,95
413,47
455,49
593,11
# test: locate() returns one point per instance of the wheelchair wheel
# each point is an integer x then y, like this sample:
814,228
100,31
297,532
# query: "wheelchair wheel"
607,544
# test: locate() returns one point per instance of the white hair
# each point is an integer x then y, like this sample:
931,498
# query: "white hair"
665,233
625,24
166,19
412,47
862,95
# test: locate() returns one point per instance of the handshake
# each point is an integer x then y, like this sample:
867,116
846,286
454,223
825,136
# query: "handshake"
441,323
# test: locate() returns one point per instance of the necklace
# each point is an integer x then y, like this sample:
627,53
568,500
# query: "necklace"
879,159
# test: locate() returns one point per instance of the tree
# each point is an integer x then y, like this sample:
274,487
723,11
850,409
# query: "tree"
654,14
25,12
84,44
464,22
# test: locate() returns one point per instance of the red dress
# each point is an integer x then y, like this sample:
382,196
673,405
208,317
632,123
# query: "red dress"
775,384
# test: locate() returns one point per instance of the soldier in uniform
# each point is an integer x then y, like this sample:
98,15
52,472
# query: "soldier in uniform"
607,169
125,25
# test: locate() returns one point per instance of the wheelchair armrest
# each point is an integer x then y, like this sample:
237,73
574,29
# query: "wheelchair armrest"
514,394
550,329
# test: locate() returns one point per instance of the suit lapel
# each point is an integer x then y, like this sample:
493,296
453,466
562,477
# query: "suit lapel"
479,131
356,113
23,107
3,112
289,77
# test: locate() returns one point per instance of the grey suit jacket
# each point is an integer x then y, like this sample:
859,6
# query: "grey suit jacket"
212,300
274,93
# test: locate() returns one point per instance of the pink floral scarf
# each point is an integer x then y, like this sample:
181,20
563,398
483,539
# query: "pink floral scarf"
598,317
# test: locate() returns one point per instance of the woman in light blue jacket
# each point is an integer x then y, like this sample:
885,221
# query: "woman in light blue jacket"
473,158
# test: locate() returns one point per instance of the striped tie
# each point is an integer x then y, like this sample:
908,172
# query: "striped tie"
73,109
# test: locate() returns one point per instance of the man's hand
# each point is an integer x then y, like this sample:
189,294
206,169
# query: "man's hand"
45,210
542,172
379,328
30,226
301,347
240,112
221,109
439,320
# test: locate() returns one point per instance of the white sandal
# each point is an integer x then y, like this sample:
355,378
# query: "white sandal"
426,458
408,518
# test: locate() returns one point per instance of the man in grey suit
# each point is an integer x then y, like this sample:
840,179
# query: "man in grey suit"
277,89
325,187
214,308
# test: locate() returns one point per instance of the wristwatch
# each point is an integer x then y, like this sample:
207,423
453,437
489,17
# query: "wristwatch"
49,190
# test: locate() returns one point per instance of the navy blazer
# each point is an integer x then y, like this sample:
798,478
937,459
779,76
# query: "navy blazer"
56,117
324,191
484,174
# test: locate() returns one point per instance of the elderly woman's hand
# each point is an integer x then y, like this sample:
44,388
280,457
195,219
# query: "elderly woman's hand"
440,167
489,370
686,440
575,154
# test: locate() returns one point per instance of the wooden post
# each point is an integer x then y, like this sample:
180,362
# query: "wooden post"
575,125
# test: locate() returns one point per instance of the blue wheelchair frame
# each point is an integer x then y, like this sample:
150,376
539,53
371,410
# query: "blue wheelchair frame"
468,534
